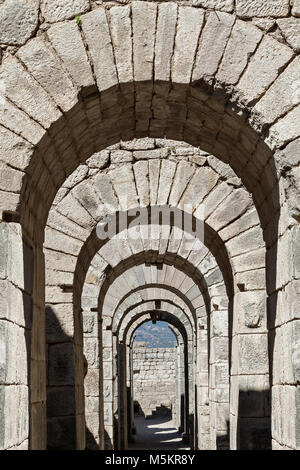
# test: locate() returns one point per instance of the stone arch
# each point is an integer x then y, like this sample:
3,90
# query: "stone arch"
46,124
188,360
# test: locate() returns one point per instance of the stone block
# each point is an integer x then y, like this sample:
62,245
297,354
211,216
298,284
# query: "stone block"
143,25
253,354
260,8
120,23
18,21
121,156
296,8
166,28
258,76
97,34
254,396
279,99
285,130
214,39
222,5
56,10
67,41
250,311
60,401
45,67
91,382
242,43
61,364
189,25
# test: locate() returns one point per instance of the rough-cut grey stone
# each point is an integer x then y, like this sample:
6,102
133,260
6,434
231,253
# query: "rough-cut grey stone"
290,155
242,43
290,28
58,10
97,34
45,67
261,8
18,21
67,41
189,25
253,354
296,8
283,95
252,309
214,39
286,129
222,5
263,68
122,42
143,25
145,154
30,96
121,156
166,27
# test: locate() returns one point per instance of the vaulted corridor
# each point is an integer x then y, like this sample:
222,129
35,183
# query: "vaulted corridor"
149,172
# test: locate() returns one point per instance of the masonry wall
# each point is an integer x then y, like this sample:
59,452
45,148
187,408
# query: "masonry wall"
154,385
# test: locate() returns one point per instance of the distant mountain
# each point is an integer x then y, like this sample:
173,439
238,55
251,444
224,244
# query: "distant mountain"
156,335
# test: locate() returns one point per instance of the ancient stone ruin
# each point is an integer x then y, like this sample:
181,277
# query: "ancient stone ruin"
154,386
149,170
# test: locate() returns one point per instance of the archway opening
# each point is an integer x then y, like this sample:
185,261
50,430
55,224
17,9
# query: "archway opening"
158,396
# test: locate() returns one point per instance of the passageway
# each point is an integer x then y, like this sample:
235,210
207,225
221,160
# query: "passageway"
156,434
149,171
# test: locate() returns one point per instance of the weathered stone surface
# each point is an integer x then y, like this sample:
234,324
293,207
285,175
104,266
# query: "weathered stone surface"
296,8
182,177
58,10
247,241
145,154
234,205
122,42
222,5
261,8
141,170
30,97
67,41
253,354
253,397
121,156
18,21
279,99
166,178
143,25
97,34
189,25
99,160
139,144
200,185
214,38
166,27
290,29
290,155
263,68
242,43
252,310
46,69
286,129
150,367
123,183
